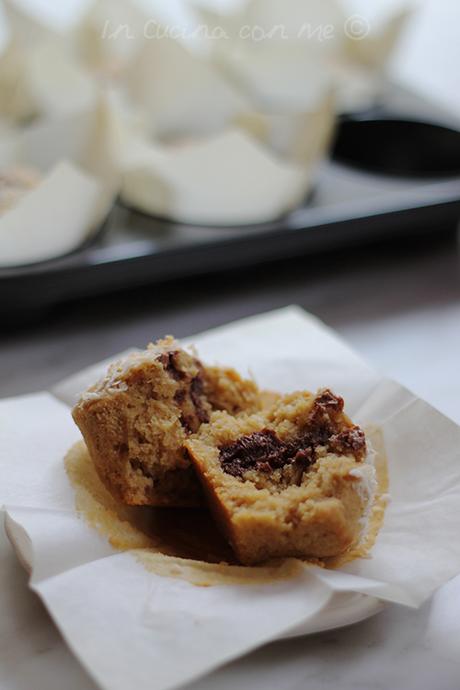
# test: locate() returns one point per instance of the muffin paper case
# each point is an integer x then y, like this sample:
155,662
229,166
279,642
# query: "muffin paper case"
283,52
51,219
181,92
94,36
79,180
299,137
136,619
56,82
225,179
47,71
210,152
184,94
375,48
40,73
27,27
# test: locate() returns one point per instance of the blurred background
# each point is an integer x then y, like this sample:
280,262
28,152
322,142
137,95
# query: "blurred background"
426,59
167,166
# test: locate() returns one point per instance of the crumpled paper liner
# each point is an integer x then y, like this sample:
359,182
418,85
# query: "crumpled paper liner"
133,626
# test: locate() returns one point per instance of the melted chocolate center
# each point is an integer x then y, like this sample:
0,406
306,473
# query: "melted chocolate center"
190,395
169,362
264,451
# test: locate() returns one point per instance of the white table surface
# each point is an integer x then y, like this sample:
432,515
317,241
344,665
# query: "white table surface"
401,309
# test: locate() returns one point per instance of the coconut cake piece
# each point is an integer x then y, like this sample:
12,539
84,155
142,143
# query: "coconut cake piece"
136,419
294,481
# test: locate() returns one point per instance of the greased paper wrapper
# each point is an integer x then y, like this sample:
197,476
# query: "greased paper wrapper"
133,627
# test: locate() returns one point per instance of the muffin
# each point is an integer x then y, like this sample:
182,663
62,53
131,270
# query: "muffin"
136,419
292,481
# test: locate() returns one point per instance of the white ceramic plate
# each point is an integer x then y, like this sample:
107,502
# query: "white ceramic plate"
344,608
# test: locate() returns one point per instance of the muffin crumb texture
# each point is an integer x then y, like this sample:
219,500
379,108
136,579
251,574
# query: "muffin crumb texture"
136,419
293,480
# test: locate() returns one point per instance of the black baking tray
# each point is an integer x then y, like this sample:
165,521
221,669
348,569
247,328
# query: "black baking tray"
394,171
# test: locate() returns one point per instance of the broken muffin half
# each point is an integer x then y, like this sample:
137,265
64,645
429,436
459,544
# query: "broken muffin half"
291,481
136,419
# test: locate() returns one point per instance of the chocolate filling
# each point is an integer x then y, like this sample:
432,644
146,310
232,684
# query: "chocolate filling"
197,394
139,465
190,396
349,442
264,451
188,423
179,396
168,360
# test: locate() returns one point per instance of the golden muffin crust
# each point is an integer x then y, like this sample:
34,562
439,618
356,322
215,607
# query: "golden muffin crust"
137,418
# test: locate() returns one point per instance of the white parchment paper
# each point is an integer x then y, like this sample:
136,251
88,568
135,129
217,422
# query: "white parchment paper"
132,628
